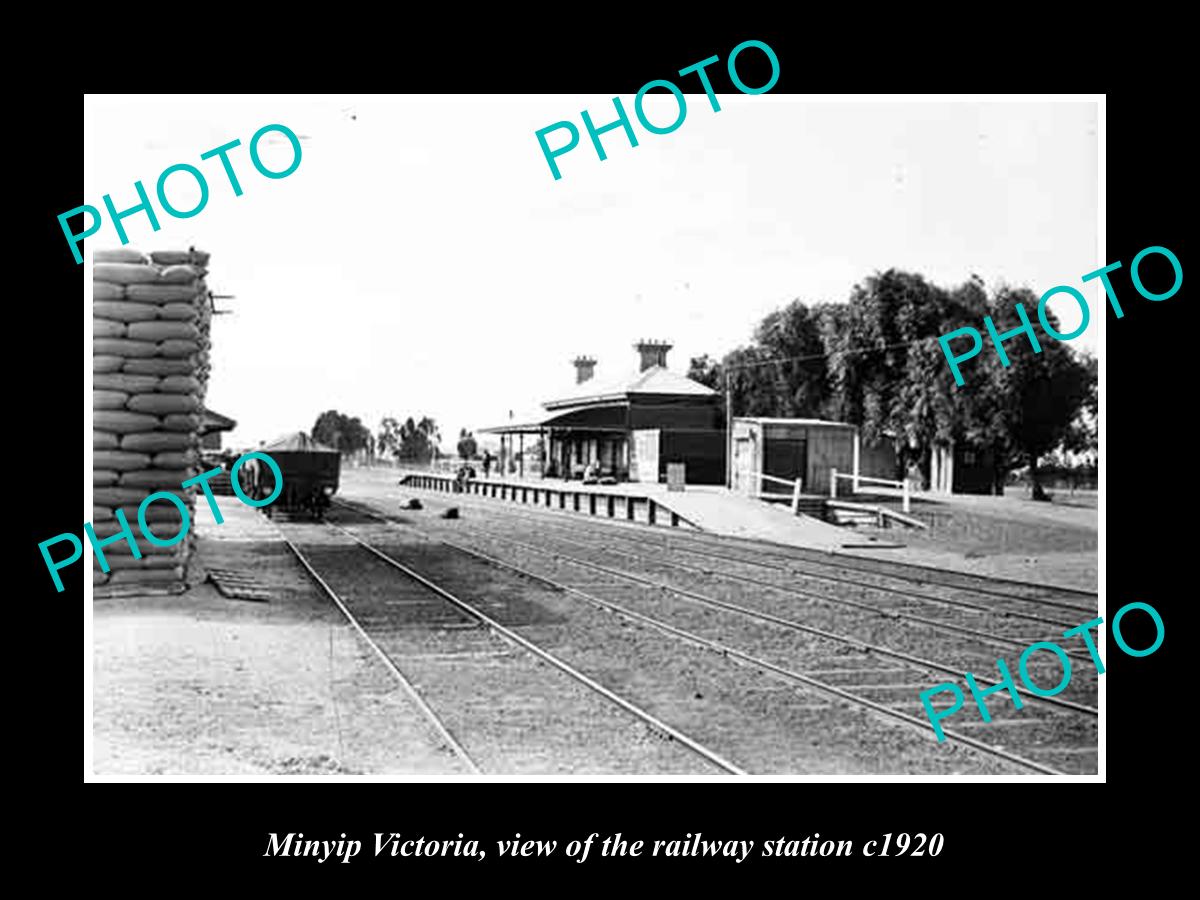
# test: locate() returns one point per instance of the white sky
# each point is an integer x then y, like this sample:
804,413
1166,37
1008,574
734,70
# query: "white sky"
423,261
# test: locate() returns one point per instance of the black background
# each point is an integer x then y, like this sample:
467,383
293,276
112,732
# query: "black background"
214,835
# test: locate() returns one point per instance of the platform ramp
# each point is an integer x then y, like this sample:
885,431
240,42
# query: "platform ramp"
725,512
701,507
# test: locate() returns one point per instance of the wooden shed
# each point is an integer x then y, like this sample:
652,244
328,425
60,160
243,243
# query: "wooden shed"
790,449
962,468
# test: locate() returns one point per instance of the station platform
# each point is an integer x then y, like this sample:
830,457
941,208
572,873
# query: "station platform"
707,508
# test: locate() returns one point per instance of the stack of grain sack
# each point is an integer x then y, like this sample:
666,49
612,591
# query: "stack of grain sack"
150,363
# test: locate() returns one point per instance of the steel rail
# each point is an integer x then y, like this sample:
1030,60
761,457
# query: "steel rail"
707,539
933,570
788,552
705,600
982,636
439,727
787,623
792,570
508,634
733,652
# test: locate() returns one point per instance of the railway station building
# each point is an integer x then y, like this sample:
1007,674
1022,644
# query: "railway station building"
631,426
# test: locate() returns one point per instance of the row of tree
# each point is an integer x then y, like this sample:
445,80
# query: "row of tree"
875,361
408,441
341,432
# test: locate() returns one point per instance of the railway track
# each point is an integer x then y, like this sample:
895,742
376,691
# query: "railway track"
434,721
1067,726
627,548
966,654
1022,599
1069,599
812,571
981,626
364,598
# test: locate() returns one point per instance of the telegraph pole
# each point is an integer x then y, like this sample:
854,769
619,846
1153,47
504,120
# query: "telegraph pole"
728,431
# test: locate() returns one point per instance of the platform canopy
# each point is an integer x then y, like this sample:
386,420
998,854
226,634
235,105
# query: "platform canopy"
807,423
557,421
527,421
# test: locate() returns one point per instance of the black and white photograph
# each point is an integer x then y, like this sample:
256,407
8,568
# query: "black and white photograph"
526,436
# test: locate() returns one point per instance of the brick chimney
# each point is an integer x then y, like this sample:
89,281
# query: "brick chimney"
653,353
585,368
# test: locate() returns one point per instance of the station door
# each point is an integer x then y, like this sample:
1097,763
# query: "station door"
784,458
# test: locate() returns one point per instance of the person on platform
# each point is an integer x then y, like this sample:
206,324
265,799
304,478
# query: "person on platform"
466,472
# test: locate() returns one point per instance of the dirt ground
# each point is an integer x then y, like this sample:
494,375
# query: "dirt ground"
201,685
760,722
198,685
1010,537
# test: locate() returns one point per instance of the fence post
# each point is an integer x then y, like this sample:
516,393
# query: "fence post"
906,503
857,454
796,499
833,483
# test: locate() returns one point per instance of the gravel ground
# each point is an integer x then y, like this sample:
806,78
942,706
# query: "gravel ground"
800,651
1009,537
814,576
1041,733
690,569
1078,569
909,636
514,713
1062,566
762,723
1005,537
199,685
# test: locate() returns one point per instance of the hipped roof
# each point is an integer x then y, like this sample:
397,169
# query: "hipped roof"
656,380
